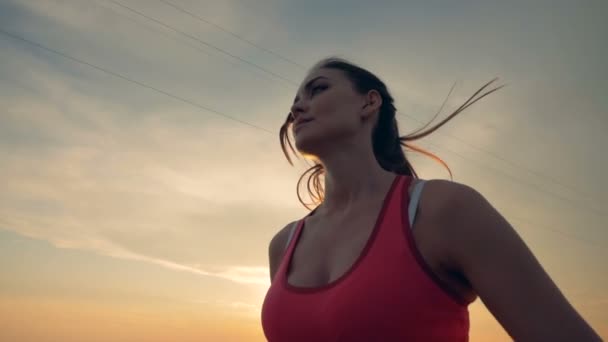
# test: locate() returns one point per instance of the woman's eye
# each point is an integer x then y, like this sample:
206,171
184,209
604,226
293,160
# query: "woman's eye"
318,88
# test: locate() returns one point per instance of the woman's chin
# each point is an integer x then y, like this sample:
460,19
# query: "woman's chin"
306,144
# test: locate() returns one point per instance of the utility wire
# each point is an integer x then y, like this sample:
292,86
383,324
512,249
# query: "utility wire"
253,125
141,84
198,17
190,45
204,43
507,175
517,165
560,232
510,162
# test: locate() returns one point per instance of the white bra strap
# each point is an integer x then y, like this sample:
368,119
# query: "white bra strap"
414,199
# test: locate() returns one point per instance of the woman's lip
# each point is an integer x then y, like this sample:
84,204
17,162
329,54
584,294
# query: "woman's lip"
301,124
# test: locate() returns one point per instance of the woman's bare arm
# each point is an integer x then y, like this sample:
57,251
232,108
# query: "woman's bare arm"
505,274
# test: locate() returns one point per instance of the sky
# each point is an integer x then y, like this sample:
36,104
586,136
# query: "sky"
143,177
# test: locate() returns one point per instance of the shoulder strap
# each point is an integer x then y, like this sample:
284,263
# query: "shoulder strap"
414,199
293,229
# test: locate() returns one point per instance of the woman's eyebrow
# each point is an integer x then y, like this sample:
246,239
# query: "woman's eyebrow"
308,86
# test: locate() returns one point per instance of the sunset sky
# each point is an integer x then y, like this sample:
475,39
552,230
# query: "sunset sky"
142,176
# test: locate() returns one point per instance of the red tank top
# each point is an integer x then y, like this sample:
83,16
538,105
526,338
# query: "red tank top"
388,294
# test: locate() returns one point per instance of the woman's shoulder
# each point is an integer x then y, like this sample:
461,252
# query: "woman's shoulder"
278,246
447,211
442,192
444,201
279,240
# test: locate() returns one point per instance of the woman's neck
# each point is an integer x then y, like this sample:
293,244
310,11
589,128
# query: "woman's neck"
352,178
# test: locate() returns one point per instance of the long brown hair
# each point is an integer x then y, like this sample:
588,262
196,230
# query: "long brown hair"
387,143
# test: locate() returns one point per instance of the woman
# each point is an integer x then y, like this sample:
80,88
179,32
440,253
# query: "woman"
360,268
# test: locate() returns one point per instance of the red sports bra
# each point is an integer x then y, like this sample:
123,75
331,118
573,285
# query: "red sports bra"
388,294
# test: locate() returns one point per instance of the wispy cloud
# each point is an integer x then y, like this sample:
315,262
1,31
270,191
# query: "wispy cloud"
246,309
92,173
97,163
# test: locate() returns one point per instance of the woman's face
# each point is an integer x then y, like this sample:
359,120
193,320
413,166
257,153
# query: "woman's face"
326,109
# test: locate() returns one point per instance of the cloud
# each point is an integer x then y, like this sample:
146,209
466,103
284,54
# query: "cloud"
86,170
246,275
105,189
236,307
98,163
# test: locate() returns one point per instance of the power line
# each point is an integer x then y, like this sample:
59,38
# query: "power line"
560,232
152,28
571,188
512,163
504,174
169,36
198,17
208,109
468,103
204,43
410,116
109,72
245,122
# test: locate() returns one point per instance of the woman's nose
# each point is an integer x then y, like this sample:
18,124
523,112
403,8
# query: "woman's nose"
298,108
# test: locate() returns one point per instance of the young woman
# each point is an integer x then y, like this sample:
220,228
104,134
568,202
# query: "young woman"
386,256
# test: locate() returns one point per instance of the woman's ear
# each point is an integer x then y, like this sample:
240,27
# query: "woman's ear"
373,102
